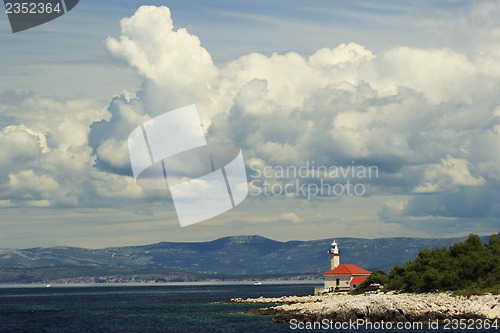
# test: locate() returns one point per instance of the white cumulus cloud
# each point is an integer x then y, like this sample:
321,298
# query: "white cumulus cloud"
427,117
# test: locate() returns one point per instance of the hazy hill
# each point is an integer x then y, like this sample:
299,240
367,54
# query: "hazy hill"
243,256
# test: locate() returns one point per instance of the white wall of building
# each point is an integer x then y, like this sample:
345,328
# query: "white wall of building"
334,281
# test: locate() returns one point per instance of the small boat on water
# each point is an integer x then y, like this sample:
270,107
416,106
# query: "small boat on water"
257,283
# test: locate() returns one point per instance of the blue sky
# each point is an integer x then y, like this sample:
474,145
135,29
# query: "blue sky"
407,86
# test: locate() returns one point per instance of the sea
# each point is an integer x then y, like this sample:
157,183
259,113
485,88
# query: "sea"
188,308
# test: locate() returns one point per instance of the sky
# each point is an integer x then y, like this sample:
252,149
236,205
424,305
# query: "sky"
406,89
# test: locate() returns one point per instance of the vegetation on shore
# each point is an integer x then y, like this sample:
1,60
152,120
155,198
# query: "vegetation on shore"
372,283
470,267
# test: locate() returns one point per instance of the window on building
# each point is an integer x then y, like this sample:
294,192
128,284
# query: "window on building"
338,282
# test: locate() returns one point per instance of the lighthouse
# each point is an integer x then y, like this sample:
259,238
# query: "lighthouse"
334,255
342,277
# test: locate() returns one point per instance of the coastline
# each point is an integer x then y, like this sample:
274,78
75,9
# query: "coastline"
159,284
375,307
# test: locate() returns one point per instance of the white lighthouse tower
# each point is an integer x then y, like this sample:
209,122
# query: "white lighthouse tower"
334,255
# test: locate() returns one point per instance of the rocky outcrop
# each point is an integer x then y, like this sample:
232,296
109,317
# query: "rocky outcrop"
380,306
278,300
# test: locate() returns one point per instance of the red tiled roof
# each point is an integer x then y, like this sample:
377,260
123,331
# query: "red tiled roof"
348,269
357,280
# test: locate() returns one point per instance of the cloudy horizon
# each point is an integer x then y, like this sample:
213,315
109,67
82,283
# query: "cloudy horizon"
411,90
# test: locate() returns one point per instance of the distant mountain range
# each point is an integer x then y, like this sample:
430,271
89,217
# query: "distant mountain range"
236,257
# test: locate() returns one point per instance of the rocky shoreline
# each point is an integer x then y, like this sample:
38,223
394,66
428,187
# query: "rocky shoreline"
386,307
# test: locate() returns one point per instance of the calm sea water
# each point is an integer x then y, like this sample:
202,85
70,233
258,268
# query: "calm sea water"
142,309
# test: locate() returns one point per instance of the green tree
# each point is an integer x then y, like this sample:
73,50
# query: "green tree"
470,264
